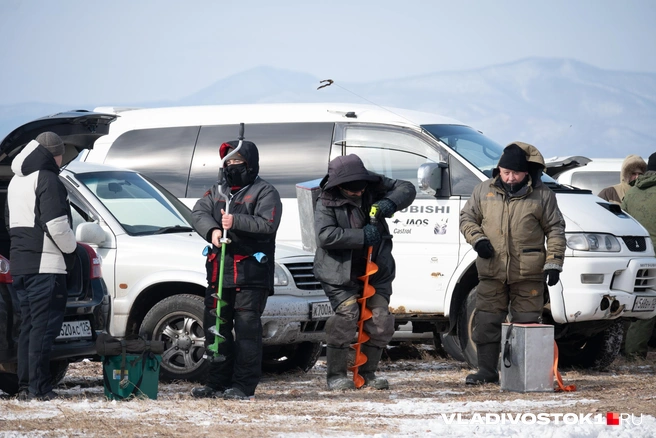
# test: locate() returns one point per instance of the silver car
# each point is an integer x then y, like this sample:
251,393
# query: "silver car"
154,269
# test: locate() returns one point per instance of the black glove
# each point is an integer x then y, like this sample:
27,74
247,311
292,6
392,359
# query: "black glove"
371,235
551,276
386,208
70,261
484,249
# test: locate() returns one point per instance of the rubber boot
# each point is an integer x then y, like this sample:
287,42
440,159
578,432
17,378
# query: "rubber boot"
336,360
368,370
488,358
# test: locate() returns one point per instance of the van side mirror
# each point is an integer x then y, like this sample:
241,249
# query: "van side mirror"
429,177
90,232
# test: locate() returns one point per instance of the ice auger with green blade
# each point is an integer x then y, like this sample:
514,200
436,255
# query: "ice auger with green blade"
218,300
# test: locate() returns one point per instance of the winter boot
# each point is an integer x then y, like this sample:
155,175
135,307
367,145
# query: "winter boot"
488,358
236,394
336,359
368,370
206,392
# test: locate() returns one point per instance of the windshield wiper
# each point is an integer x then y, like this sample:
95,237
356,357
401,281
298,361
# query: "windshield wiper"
173,229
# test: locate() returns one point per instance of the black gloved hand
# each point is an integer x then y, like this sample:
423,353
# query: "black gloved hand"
70,260
551,276
371,235
386,208
484,249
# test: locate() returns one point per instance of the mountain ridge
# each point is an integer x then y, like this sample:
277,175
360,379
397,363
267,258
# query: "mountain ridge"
562,106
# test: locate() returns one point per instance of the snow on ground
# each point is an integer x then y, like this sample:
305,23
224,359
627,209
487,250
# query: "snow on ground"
427,399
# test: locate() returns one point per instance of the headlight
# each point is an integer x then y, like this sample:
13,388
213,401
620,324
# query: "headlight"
4,265
280,276
593,242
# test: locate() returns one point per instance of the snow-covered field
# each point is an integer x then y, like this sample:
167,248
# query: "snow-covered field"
427,399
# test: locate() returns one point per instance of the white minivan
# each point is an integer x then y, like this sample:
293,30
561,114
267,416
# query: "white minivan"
610,268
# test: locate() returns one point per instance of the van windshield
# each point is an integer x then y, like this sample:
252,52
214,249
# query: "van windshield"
479,150
470,144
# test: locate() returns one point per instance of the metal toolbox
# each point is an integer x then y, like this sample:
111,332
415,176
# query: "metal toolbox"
527,357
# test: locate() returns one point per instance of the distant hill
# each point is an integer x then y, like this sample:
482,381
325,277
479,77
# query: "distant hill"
562,106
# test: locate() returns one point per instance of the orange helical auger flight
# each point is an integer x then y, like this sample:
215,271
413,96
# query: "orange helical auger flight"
368,291
365,313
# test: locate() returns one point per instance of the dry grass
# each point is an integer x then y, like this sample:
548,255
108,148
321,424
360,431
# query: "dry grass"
299,403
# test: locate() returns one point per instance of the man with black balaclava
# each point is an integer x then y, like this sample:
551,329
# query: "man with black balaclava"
507,220
252,221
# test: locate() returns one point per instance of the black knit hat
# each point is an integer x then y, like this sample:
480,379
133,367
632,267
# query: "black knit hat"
514,158
651,164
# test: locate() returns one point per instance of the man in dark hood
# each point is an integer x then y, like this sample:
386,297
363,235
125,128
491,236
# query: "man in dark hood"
41,242
252,220
344,232
506,221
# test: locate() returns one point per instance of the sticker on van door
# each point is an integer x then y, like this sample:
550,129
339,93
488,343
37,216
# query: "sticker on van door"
440,226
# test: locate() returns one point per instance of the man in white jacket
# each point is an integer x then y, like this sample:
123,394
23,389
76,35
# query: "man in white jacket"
41,242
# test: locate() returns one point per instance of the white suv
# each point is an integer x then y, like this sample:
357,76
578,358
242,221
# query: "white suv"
155,273
594,174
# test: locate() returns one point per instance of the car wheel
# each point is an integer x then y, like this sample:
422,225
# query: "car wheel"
58,369
451,345
280,359
597,352
465,328
178,322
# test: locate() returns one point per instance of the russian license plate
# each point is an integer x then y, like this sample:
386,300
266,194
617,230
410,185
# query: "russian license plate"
644,304
75,330
321,310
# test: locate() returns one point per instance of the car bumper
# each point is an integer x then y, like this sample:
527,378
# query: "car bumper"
287,320
624,282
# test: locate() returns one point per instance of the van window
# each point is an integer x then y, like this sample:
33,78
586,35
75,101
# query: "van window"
595,181
164,154
390,152
470,144
290,153
462,179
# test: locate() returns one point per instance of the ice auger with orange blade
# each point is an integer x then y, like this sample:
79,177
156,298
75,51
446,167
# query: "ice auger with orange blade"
368,291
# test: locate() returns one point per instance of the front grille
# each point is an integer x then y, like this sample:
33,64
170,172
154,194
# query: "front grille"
645,279
303,276
635,243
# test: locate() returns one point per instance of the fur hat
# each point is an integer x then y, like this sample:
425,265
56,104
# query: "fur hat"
52,142
651,165
514,158
630,165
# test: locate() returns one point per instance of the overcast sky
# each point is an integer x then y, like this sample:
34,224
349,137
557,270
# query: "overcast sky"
78,51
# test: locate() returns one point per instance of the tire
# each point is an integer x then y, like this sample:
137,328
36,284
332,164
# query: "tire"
58,369
178,321
596,352
280,359
451,345
465,328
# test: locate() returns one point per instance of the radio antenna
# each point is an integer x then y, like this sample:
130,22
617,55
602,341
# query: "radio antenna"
329,82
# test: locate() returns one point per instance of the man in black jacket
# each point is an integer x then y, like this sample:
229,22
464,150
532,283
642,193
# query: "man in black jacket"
252,221
41,237
344,232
